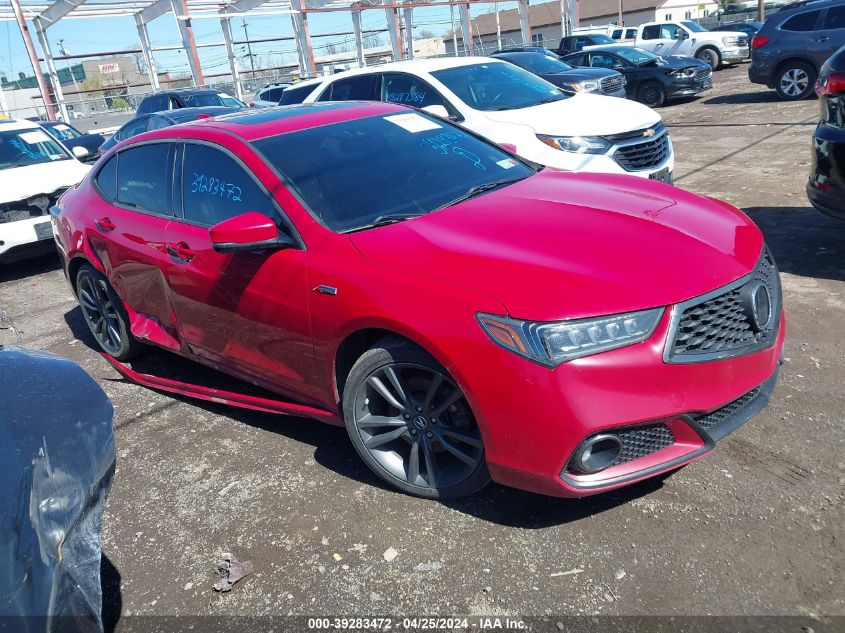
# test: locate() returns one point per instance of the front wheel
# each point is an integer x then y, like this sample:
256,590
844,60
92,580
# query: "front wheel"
710,56
652,94
105,314
795,81
411,423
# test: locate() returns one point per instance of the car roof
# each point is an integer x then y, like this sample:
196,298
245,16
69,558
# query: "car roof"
18,124
253,125
193,111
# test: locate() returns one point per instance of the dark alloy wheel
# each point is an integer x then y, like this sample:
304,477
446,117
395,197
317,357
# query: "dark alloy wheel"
652,94
412,424
105,315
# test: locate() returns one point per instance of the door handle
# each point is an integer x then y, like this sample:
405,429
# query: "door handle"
822,38
105,225
181,252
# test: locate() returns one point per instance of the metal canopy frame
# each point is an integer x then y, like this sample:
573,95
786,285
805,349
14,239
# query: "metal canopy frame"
44,14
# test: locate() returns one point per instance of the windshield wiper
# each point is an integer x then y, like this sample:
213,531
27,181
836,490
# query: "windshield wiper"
479,189
384,220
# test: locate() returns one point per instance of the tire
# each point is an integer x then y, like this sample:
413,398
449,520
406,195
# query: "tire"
651,94
411,424
711,56
795,81
105,315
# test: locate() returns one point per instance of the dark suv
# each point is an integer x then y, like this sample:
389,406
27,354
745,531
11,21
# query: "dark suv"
187,98
792,45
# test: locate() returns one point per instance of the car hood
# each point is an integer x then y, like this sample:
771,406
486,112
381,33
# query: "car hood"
561,245
581,115
682,61
579,74
19,183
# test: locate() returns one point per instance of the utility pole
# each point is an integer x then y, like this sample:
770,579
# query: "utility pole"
249,49
69,66
761,11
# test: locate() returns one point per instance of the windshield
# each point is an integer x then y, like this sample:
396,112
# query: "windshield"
636,56
498,86
538,63
19,148
64,132
231,102
695,28
352,173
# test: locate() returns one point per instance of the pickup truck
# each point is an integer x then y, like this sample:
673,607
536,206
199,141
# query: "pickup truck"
692,40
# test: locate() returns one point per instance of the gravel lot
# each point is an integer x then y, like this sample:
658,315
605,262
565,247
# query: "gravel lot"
755,528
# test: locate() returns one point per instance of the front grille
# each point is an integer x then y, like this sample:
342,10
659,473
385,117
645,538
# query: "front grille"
742,41
704,73
638,442
642,441
610,85
718,417
33,207
721,324
641,150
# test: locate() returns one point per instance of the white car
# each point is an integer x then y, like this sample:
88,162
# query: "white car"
35,169
517,109
686,38
269,95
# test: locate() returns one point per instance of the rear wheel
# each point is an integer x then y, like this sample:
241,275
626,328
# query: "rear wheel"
652,94
795,81
105,315
411,423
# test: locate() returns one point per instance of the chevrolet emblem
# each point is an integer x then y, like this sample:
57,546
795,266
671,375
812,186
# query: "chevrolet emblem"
649,132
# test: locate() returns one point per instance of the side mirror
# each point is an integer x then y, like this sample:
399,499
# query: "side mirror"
249,231
681,35
618,65
437,110
80,152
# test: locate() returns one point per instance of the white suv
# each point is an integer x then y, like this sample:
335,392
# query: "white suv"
35,169
512,107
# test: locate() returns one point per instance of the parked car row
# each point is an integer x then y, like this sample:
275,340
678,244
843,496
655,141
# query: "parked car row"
368,263
578,131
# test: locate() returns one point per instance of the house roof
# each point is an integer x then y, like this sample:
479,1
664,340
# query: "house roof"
548,13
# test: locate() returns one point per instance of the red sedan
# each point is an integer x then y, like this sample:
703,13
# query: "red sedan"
467,315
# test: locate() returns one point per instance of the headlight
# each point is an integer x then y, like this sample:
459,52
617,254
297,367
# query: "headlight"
577,144
683,72
730,40
551,344
586,86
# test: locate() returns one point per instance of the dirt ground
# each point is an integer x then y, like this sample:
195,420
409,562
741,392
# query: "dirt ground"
755,528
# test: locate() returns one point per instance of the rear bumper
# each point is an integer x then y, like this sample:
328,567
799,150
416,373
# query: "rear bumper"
830,201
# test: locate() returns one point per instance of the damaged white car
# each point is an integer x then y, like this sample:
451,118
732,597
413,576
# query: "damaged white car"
35,170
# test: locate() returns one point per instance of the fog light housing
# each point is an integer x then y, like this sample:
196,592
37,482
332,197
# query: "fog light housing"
597,453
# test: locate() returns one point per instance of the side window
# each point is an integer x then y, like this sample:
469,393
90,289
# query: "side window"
153,103
361,88
632,34
802,22
577,60
158,122
107,178
651,32
668,31
296,94
133,128
835,18
215,188
601,61
581,42
142,178
274,94
409,90
617,34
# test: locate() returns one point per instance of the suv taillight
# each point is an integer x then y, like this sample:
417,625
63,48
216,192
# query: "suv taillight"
831,85
759,41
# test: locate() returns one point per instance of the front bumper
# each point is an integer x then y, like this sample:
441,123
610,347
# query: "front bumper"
25,238
533,418
688,88
596,163
735,55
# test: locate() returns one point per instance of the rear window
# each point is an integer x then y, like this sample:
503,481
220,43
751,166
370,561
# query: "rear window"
835,18
291,96
802,22
350,173
107,178
153,103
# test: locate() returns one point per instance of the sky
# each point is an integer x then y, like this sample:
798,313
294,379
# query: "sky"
111,34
